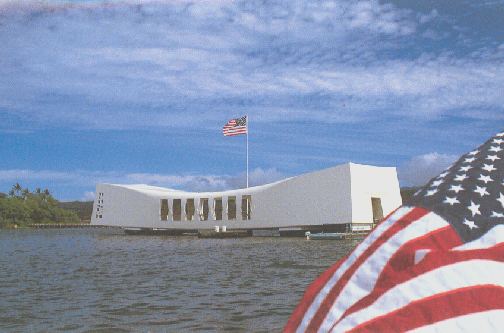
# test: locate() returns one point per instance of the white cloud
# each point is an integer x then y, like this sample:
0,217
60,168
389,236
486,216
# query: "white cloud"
258,176
424,18
154,64
419,169
24,174
88,196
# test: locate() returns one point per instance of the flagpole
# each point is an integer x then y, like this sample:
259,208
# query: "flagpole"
247,151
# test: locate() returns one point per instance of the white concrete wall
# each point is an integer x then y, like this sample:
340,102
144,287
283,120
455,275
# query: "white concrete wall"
124,207
321,197
370,181
341,194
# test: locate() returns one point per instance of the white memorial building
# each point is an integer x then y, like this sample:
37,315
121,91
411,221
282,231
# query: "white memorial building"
335,199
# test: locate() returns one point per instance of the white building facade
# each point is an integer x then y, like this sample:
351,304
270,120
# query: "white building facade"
327,200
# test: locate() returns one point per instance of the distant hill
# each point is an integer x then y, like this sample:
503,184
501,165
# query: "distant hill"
83,209
2,195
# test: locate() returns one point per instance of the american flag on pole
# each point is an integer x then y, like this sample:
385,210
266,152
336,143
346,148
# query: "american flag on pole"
436,264
235,127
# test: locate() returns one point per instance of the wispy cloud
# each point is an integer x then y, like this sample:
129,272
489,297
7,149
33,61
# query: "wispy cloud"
257,176
88,196
153,64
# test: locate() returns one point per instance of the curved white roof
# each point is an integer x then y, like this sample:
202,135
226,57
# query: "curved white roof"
157,191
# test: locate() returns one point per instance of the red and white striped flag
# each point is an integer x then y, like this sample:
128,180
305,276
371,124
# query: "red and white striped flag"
435,264
235,127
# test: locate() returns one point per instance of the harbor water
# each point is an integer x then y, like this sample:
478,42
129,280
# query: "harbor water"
100,280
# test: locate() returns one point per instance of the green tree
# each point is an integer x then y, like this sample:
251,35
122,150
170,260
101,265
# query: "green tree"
23,207
15,190
13,211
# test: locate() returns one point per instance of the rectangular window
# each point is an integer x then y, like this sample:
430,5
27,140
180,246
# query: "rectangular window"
377,210
218,209
177,209
231,206
164,209
246,207
203,209
189,209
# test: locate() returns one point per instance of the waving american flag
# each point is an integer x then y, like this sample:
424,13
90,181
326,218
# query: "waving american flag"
235,127
435,264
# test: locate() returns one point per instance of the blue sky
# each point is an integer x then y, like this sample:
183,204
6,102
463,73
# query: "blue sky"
137,91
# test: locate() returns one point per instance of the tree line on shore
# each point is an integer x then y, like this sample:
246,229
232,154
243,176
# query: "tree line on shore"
21,207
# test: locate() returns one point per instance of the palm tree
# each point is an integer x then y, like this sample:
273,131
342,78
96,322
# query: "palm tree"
16,190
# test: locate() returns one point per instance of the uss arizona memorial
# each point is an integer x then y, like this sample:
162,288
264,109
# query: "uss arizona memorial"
335,199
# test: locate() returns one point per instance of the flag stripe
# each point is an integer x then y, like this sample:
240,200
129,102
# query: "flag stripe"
433,260
473,300
231,133
488,321
301,323
235,134
395,270
441,280
492,237
236,129
409,227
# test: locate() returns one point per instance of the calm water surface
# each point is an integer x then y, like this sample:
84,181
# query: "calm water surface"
102,280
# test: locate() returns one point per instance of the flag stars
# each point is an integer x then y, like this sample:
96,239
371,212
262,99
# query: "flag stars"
474,208
495,214
456,188
451,201
485,179
501,199
481,190
431,192
470,224
460,178
493,158
489,167
495,149
465,168
470,191
498,141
